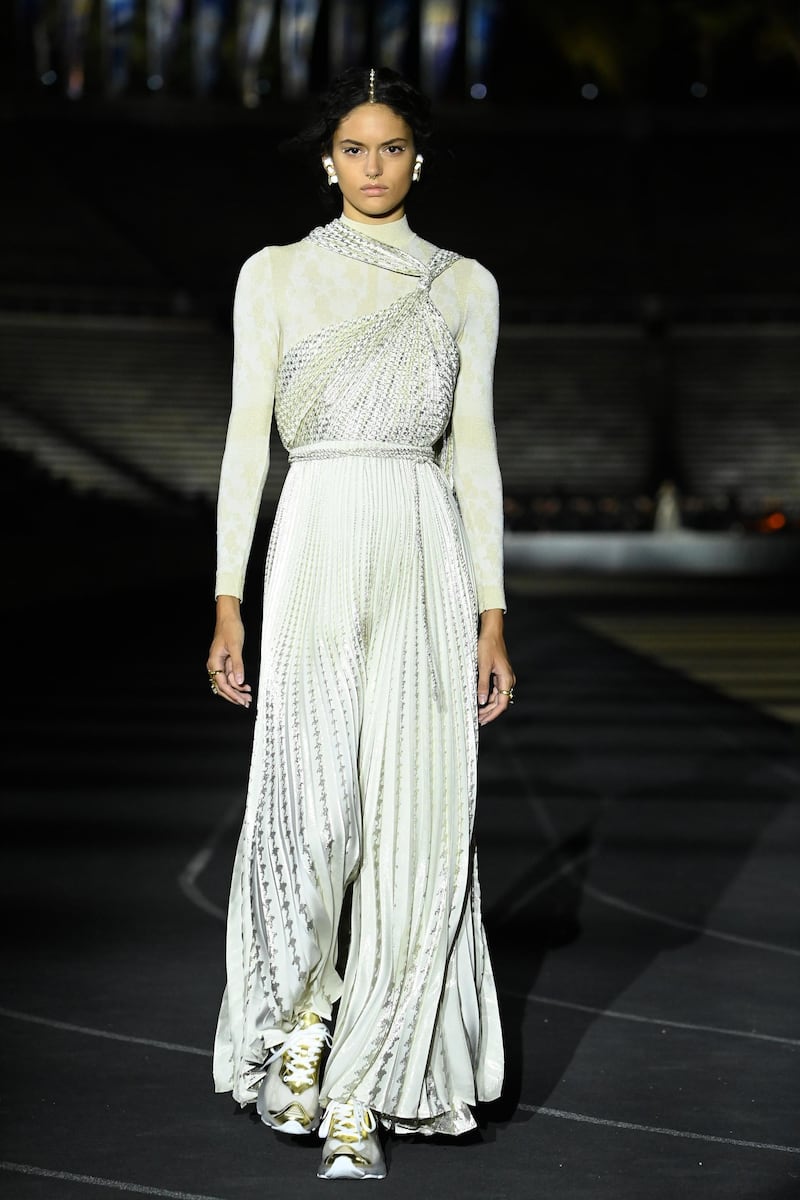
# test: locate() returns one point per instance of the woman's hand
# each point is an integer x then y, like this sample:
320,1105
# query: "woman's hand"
225,661
496,679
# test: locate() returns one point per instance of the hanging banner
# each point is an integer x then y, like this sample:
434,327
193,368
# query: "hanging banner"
74,35
256,19
347,35
298,21
34,41
117,18
164,19
481,26
438,35
207,25
393,33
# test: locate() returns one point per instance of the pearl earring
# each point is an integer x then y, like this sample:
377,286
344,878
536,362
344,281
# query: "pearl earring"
417,172
327,163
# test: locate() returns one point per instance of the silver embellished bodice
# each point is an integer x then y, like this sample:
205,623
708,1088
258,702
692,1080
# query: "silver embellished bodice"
387,377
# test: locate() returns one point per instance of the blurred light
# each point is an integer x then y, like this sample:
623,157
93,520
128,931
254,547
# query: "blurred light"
298,20
439,33
264,87
480,25
393,22
347,34
698,90
589,91
478,91
775,520
155,82
49,78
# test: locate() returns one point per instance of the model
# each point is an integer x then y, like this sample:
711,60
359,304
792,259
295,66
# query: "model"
382,655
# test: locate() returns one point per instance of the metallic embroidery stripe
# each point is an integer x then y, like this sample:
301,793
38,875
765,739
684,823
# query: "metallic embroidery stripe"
319,451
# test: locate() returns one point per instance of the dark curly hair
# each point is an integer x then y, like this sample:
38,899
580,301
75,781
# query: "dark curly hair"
346,92
351,88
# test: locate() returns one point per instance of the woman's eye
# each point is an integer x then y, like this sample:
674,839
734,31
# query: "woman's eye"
392,150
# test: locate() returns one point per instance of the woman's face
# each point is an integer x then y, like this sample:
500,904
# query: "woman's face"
373,154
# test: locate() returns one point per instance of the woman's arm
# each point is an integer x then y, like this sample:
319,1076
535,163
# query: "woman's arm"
245,463
478,485
245,460
476,471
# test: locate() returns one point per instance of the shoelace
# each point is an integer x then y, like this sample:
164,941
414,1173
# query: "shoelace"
302,1051
347,1121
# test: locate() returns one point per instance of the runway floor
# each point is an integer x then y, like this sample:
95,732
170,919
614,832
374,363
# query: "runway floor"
638,839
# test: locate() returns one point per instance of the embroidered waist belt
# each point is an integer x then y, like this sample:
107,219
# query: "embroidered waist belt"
312,451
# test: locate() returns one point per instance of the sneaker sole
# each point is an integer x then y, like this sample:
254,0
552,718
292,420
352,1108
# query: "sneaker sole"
345,1168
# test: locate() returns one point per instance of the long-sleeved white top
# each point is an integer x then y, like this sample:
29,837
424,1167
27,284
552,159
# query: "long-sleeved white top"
284,294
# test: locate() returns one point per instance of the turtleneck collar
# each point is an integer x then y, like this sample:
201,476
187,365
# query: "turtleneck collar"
392,233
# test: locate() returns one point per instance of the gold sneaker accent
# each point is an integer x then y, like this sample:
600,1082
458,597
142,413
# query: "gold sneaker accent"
300,1056
357,1159
292,1112
288,1095
352,1149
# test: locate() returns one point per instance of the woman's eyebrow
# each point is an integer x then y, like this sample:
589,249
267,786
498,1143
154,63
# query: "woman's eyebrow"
389,141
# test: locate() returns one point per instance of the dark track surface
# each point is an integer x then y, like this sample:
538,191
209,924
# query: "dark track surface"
638,833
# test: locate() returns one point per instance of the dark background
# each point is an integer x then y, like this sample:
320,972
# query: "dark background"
638,805
645,242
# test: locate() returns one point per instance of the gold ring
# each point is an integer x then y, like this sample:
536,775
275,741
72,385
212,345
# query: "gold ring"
211,674
507,692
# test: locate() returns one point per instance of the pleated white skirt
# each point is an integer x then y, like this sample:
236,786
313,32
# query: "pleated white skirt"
364,773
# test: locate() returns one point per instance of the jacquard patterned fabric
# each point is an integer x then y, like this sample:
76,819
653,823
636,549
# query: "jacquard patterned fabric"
364,762
288,294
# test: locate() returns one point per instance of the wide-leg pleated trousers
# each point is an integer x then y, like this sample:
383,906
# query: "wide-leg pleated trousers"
364,774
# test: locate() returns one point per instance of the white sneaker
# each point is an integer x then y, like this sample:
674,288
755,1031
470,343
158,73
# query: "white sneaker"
352,1149
288,1097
